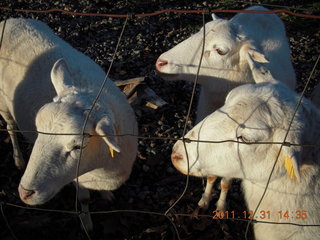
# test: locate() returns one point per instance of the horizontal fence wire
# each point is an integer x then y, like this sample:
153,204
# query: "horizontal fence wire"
167,214
185,139
276,6
156,12
150,213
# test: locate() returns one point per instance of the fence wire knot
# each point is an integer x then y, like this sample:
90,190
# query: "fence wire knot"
186,140
206,10
130,15
287,144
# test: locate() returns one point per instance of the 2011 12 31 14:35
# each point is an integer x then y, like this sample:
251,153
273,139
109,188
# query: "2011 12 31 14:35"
262,214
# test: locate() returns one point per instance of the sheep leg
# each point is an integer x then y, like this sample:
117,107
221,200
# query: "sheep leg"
84,198
206,196
17,155
225,185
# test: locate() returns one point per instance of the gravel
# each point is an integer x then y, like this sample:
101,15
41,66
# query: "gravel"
154,184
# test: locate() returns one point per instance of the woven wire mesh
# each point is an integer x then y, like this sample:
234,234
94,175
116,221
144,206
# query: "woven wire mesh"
169,214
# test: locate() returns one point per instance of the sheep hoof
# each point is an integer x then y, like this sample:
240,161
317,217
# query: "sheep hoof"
204,202
221,206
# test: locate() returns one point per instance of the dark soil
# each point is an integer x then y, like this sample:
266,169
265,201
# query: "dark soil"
154,184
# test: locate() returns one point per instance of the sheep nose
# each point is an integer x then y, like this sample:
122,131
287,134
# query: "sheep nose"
160,63
175,157
24,193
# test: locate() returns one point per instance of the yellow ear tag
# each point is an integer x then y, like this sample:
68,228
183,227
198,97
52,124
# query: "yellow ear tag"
289,167
111,152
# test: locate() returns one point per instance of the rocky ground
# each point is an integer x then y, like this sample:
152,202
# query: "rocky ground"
154,184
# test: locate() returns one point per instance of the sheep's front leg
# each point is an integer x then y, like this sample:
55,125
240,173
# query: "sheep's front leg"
206,196
84,198
225,185
17,155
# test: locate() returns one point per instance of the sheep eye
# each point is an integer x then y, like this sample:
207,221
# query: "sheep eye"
73,149
221,51
76,147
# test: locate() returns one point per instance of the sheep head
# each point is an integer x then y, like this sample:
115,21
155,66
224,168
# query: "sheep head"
55,157
252,113
222,60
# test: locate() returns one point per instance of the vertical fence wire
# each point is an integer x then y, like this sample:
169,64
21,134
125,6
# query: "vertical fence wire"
186,123
7,223
1,204
188,115
282,145
84,135
2,32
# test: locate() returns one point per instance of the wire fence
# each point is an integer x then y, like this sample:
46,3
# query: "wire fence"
157,12
169,213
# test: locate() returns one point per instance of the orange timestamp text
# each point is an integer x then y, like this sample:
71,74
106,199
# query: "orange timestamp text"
281,214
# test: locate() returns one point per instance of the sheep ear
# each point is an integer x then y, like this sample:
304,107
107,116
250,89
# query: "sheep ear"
248,49
61,76
254,59
214,16
259,73
105,129
292,163
241,37
257,56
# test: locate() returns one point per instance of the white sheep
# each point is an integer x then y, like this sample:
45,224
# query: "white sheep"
48,86
225,66
262,113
